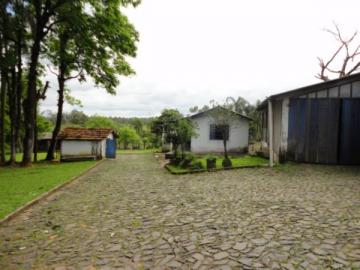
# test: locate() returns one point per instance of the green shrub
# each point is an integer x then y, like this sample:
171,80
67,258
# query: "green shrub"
196,165
226,163
211,163
175,161
186,162
190,156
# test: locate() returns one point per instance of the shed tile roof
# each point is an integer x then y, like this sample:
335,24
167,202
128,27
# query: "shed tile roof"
85,133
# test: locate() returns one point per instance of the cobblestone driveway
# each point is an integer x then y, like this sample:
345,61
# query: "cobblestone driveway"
129,213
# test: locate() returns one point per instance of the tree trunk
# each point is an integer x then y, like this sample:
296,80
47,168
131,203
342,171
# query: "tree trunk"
35,150
182,151
19,86
30,102
176,146
2,116
225,149
12,94
3,73
57,128
42,17
63,40
51,151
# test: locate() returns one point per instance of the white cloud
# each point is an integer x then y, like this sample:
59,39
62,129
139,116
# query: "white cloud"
193,51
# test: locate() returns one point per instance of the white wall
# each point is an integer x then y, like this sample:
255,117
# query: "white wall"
82,148
238,136
284,125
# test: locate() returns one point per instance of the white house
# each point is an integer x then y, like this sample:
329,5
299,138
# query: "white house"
209,139
87,143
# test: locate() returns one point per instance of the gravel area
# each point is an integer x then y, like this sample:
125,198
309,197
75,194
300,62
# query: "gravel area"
131,214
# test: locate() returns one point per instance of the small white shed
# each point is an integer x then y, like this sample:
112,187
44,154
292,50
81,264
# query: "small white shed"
209,139
87,143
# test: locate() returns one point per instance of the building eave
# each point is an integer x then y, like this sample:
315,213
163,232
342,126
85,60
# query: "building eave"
310,88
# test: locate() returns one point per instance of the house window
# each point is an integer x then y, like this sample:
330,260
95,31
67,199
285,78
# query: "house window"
218,131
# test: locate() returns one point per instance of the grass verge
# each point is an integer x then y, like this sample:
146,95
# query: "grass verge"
40,156
237,162
137,151
21,185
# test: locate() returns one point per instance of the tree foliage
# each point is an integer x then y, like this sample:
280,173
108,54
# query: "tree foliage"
174,128
346,58
100,122
80,39
185,130
129,136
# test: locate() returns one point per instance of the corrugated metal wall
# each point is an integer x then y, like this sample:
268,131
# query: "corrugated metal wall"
324,130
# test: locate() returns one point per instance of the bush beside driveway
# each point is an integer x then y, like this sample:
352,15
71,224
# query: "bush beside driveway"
131,213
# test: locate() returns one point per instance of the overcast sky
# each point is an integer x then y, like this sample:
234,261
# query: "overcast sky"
193,51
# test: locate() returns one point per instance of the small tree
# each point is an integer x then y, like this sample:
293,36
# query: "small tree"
185,130
146,137
165,126
223,118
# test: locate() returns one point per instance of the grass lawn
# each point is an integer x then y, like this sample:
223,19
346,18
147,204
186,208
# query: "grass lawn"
137,151
41,156
20,185
237,162
242,161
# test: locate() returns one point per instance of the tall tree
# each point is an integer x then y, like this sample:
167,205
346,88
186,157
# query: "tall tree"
15,35
91,44
42,19
40,95
21,45
4,72
349,61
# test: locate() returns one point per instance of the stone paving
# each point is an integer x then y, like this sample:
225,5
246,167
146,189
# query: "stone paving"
131,214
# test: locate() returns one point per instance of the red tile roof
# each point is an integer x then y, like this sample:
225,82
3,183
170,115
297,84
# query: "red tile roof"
85,133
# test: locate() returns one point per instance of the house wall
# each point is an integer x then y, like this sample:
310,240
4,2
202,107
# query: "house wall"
238,136
284,125
82,148
280,129
277,127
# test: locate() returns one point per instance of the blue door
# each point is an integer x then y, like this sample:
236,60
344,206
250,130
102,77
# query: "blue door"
110,148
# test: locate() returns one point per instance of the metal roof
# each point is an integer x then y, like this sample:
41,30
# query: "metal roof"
219,107
311,88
